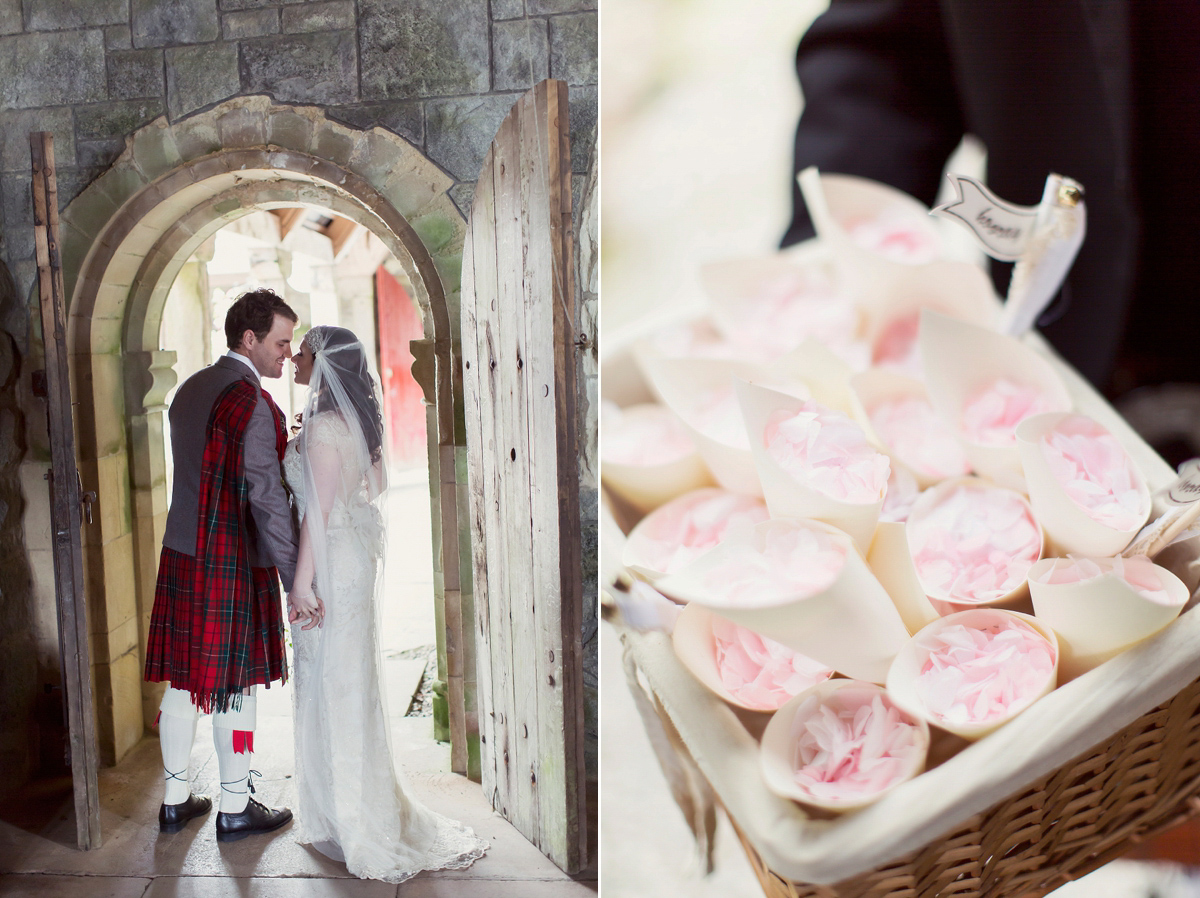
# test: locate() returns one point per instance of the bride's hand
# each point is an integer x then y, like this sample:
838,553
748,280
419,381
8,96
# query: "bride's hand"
307,606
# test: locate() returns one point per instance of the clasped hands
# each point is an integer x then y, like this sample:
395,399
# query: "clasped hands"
308,607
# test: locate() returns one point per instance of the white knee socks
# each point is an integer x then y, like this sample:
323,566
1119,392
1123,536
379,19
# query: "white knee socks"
233,736
176,731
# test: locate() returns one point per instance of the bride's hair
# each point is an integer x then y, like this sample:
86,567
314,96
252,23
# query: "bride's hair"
344,355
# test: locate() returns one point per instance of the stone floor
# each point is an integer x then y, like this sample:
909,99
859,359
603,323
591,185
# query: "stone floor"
37,839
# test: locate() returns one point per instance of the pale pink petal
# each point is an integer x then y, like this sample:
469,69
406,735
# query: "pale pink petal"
1139,572
671,536
1096,472
919,437
852,745
990,417
983,673
902,492
795,307
759,672
894,235
794,562
974,543
642,435
828,452
896,346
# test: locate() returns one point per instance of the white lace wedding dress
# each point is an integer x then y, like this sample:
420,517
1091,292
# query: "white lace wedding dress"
353,806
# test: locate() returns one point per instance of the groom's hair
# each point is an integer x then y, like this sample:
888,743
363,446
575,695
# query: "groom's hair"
255,311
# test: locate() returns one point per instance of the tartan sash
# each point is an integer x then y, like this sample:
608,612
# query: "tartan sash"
228,613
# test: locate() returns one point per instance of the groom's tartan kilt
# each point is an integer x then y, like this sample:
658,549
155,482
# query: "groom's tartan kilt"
217,624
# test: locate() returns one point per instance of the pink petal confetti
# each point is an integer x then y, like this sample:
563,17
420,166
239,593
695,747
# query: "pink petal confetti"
853,744
1096,473
759,672
792,563
671,536
896,346
826,451
791,309
983,673
990,417
974,543
902,493
642,435
894,235
1139,572
919,437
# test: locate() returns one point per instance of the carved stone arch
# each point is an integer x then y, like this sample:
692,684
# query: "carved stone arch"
125,238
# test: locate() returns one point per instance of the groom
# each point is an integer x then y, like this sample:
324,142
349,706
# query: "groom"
217,630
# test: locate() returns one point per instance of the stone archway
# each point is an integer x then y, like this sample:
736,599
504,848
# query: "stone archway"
125,238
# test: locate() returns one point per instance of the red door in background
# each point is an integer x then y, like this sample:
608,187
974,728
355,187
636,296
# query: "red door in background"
402,405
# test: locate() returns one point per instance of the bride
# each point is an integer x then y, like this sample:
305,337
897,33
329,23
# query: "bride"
352,806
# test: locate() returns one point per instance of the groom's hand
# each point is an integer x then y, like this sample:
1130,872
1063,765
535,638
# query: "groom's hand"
309,607
317,618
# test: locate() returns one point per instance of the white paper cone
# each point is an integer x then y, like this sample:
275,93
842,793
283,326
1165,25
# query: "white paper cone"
647,486
695,644
942,601
1069,528
871,389
777,753
837,202
786,496
955,289
638,553
892,565
961,359
852,626
1099,618
901,679
826,376
682,384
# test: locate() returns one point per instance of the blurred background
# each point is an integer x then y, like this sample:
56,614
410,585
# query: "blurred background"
698,111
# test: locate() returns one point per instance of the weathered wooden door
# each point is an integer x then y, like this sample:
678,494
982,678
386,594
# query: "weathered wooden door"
518,358
65,500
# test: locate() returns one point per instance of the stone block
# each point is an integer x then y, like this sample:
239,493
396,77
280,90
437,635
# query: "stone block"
573,56
459,131
159,24
583,103
18,217
551,7
15,125
507,9
309,17
462,195
254,4
334,147
127,723
52,69
449,266
103,411
200,76
154,151
99,153
377,155
409,191
437,230
249,23
310,68
115,119
118,37
520,54
289,130
135,73
59,15
10,17
111,514
423,48
405,119
195,138
92,212
121,182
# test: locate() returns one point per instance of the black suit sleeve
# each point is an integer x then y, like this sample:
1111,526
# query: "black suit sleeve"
879,98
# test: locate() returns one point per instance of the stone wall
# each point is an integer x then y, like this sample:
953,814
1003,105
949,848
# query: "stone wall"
440,74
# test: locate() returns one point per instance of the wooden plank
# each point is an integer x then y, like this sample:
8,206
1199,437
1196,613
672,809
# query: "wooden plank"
476,490
340,231
65,499
554,482
511,380
289,218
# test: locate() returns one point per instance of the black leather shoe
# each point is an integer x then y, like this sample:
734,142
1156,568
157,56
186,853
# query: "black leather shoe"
257,818
174,817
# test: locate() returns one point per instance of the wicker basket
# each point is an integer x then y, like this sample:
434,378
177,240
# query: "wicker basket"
1084,775
1140,782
